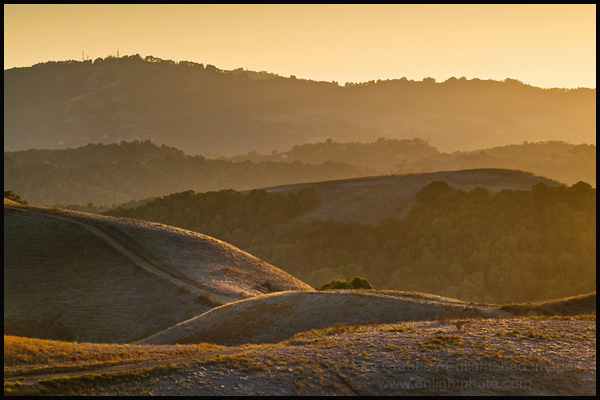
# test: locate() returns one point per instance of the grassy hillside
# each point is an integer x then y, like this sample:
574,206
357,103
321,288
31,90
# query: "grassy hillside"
23,355
371,199
581,304
276,317
76,276
202,109
279,316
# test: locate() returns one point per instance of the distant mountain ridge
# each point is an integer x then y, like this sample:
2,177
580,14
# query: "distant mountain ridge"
203,109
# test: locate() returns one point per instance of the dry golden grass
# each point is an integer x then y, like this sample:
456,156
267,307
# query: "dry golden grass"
208,299
279,316
489,359
8,202
574,305
22,355
83,277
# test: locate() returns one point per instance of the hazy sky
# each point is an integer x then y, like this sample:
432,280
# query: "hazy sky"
542,45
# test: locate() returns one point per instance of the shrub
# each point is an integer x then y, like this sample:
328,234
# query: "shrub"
337,284
361,283
208,299
270,286
356,283
184,289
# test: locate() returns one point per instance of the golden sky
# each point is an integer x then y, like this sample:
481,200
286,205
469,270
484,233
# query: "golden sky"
543,45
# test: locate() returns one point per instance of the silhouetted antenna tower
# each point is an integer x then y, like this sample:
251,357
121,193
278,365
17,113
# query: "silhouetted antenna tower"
117,52
82,55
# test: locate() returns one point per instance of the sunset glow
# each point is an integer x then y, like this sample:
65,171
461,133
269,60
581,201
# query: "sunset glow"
542,45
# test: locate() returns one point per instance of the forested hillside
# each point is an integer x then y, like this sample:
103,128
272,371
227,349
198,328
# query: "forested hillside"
118,173
202,109
513,246
114,174
561,161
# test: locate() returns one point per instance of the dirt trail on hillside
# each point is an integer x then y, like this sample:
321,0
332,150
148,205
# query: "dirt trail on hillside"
136,258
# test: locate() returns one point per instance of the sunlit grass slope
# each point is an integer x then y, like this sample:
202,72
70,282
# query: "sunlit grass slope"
278,316
76,276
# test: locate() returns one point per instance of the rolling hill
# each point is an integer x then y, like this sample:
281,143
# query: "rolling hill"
368,200
279,316
84,277
202,109
574,305
276,317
